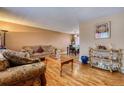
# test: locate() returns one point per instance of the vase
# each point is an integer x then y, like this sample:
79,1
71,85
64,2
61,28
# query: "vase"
84,59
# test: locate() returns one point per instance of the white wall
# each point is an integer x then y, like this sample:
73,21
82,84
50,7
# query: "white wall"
22,35
87,33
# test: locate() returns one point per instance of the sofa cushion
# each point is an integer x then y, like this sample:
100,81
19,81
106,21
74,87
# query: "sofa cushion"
16,58
51,49
40,55
27,49
48,48
22,73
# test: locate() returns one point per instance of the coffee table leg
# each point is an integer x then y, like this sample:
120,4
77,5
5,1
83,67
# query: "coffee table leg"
72,65
61,70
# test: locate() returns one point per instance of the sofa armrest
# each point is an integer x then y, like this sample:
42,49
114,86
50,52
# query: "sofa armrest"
17,74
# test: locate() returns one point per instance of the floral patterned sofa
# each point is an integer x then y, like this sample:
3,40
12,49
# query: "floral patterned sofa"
39,51
16,68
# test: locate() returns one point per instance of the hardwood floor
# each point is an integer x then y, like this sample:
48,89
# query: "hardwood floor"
82,75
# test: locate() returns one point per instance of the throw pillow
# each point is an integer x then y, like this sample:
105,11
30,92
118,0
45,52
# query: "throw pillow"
35,48
39,50
46,48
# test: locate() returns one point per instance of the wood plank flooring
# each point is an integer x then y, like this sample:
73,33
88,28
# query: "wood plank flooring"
82,75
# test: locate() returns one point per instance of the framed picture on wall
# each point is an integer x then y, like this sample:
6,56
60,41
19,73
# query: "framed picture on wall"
103,30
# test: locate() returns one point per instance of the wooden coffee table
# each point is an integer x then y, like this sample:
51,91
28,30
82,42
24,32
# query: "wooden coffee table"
64,59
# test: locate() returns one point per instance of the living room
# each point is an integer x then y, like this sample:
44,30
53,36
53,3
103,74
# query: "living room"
30,35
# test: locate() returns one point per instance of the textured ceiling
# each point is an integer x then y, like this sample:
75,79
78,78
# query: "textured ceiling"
64,19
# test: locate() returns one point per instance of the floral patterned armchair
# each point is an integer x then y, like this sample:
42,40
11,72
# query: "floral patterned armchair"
32,73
